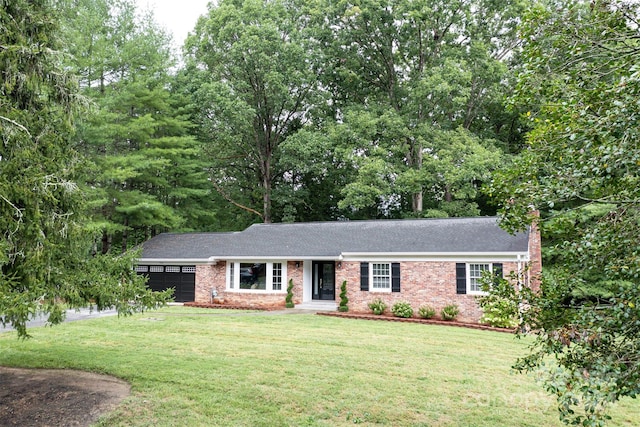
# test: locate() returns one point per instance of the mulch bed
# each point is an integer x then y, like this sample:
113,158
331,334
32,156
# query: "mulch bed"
230,306
362,316
389,318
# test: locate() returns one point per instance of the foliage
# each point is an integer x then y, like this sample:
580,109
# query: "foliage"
449,312
402,309
581,171
343,297
326,110
45,240
145,172
255,79
412,85
288,301
377,306
499,307
426,312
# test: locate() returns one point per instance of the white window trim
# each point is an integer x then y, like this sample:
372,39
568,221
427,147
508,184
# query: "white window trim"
269,277
469,264
371,288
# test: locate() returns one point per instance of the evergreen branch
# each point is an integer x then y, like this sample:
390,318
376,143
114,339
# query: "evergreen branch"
19,214
16,124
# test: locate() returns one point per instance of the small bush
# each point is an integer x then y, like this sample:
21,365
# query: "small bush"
449,312
499,307
402,309
288,301
343,298
426,312
377,306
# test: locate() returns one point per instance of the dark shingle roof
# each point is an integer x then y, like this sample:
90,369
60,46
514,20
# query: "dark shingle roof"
330,239
183,246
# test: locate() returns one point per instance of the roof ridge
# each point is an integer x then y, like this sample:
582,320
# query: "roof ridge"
360,221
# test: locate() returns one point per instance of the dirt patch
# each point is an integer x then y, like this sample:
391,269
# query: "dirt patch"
56,397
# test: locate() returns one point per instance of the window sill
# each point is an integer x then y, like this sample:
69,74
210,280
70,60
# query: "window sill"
255,291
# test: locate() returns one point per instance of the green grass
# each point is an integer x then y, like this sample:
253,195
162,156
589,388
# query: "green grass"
205,367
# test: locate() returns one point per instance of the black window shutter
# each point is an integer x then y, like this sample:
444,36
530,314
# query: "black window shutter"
395,277
497,271
364,276
461,278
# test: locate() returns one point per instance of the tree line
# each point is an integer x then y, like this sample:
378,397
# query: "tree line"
284,111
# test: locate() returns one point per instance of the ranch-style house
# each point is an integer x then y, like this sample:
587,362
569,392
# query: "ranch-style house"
431,262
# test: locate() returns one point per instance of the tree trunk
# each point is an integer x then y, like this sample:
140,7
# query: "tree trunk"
266,198
415,162
416,202
125,235
106,242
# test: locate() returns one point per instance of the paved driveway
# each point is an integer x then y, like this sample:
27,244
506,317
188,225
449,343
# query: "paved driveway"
72,315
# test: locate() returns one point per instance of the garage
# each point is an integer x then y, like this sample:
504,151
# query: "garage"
180,277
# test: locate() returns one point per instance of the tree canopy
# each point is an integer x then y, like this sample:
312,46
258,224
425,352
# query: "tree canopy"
391,91
580,169
45,241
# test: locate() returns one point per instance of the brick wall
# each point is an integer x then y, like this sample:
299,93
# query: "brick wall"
421,283
210,277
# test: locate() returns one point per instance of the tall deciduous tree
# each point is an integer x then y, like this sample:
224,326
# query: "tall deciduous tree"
44,250
406,78
581,170
258,75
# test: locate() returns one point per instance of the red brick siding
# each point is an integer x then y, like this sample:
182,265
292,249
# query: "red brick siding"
215,276
422,283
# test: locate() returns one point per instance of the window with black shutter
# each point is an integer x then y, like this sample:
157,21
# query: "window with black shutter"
395,277
364,276
461,278
497,272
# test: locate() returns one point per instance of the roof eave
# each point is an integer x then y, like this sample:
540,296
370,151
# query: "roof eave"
174,261
437,256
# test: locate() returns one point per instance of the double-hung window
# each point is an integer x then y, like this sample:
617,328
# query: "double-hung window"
381,277
469,276
276,276
255,276
475,272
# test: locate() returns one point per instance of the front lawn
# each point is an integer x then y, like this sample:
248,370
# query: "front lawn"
203,367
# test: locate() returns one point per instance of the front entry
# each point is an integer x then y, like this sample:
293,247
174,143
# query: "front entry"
324,280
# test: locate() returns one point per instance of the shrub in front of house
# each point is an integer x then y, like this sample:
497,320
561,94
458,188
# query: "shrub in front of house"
402,309
288,301
449,312
499,308
343,307
500,313
426,312
377,306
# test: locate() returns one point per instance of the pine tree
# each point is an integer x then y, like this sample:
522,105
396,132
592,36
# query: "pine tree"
43,236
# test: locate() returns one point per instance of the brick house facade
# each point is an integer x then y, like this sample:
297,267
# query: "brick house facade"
423,262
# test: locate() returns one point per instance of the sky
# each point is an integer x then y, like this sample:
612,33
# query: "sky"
177,16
